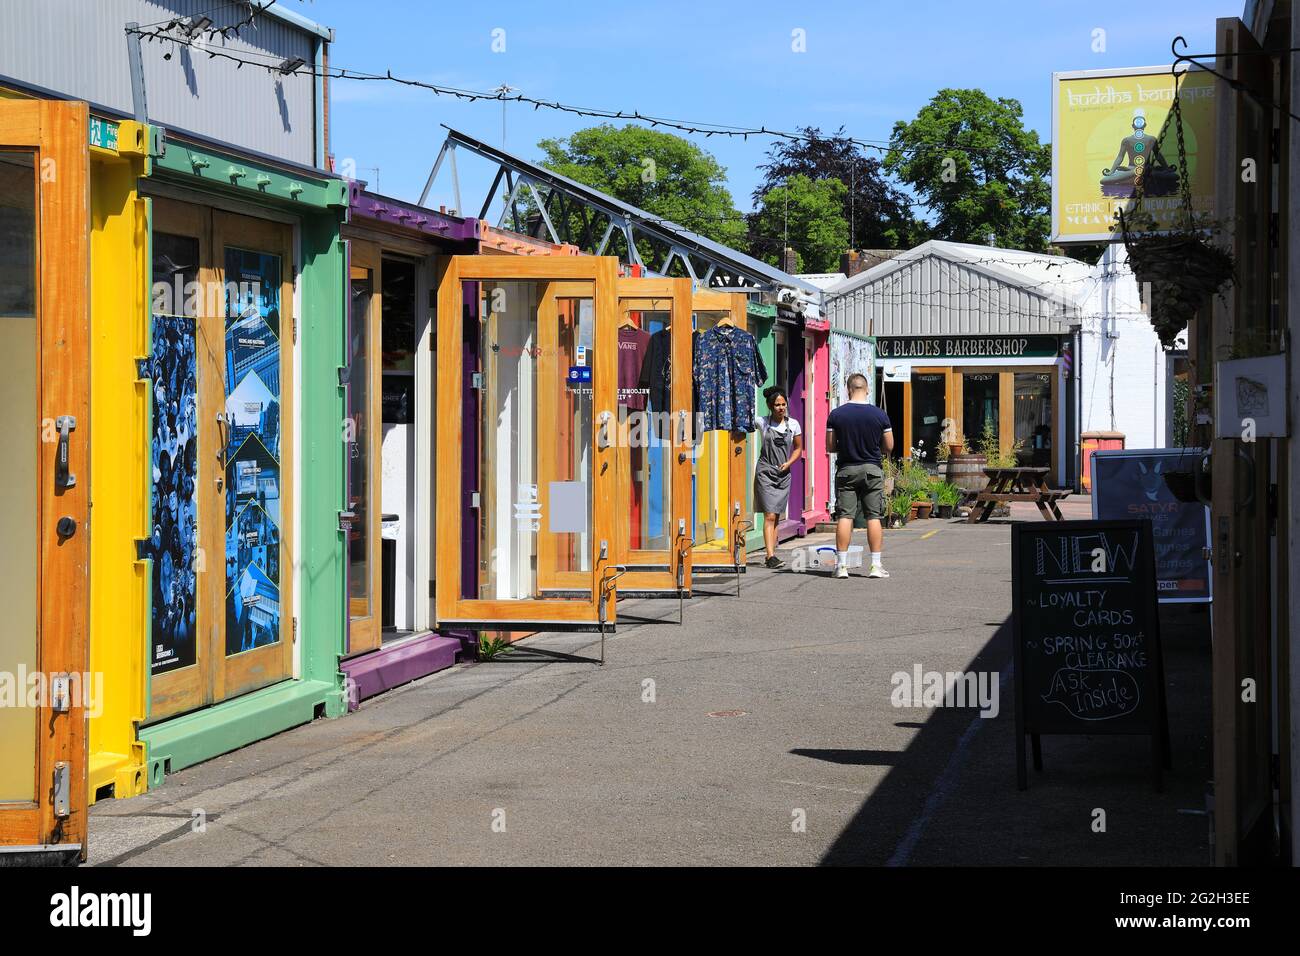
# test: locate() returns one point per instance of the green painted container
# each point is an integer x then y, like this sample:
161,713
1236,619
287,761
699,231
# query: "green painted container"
315,205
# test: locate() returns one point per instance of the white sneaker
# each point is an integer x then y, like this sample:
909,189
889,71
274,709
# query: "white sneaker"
842,571
877,571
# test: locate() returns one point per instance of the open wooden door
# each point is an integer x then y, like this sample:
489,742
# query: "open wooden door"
720,485
44,394
526,402
365,344
653,520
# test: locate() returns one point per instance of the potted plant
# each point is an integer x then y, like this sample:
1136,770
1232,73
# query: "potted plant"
921,503
946,497
899,507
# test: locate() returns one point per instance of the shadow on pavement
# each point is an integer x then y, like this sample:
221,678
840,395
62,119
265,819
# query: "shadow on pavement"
951,797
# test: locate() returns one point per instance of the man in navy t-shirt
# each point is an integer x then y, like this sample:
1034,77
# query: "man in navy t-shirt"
859,433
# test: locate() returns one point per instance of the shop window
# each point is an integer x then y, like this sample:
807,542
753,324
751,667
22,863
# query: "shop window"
359,463
536,448
399,315
711,476
18,527
979,406
1033,417
645,452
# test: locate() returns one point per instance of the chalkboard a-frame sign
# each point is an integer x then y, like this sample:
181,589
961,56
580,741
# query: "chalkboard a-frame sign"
1087,635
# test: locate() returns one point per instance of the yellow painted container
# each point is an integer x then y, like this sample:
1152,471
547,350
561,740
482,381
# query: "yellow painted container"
119,582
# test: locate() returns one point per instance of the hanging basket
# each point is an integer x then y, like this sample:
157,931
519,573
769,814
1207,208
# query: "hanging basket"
1183,270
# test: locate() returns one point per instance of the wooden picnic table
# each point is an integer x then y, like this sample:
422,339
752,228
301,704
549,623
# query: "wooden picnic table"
1017,484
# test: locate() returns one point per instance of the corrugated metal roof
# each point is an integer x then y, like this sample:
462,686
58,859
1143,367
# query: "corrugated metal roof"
78,50
645,221
945,288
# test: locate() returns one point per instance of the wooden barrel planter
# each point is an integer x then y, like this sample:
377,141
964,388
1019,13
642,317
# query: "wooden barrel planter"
967,473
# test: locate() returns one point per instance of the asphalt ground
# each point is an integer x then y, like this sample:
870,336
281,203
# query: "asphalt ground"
759,732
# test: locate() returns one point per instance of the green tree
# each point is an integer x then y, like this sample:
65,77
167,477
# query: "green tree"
977,169
878,213
663,174
811,213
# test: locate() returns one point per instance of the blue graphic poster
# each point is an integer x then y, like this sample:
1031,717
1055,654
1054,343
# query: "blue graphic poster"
173,471
253,476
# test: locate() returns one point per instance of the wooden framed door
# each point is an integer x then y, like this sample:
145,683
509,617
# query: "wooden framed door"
252,478
45,396
220,369
720,473
184,438
524,531
364,437
653,520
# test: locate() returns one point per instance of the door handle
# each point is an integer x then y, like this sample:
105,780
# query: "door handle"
63,477
223,432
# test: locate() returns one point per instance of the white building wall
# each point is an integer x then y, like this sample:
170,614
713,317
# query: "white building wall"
1123,366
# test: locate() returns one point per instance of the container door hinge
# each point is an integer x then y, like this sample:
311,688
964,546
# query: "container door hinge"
295,630
142,366
295,328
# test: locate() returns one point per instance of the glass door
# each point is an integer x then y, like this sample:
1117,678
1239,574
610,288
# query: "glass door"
1033,391
220,373
653,454
929,409
45,427
252,491
362,437
527,405
720,486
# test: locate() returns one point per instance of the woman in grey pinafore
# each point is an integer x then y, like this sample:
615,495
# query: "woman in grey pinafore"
782,446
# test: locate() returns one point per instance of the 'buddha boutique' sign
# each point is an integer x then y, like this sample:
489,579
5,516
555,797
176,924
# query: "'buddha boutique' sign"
969,346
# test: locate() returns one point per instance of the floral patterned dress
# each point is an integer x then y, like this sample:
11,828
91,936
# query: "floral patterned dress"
728,370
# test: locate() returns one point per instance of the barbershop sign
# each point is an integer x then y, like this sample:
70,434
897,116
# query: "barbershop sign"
969,346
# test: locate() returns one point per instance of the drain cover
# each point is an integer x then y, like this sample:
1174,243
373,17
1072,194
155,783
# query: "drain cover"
729,713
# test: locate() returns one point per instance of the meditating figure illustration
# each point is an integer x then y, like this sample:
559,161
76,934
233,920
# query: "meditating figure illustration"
1139,162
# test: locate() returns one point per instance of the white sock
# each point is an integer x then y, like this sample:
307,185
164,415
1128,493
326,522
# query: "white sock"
841,559
875,558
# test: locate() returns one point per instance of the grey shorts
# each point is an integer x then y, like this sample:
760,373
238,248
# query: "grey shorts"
859,488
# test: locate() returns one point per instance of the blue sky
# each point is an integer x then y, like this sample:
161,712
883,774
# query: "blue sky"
867,64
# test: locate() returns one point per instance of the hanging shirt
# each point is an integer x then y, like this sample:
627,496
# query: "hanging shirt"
633,344
657,371
728,370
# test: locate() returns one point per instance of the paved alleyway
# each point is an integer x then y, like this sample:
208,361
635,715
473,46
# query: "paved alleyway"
764,705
